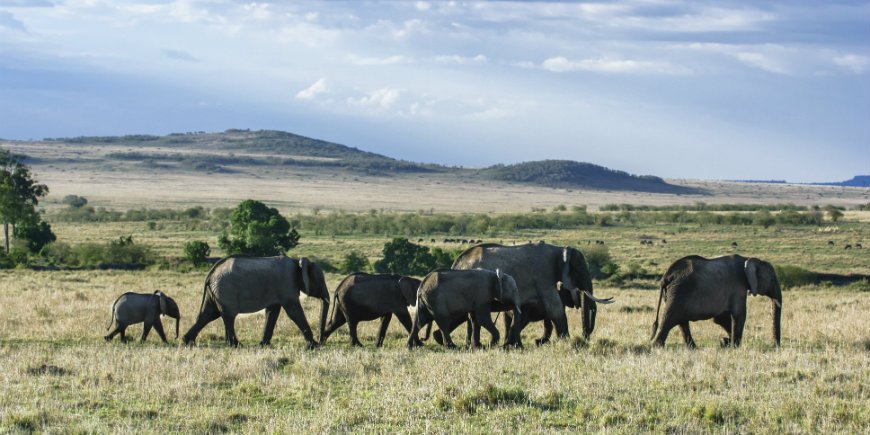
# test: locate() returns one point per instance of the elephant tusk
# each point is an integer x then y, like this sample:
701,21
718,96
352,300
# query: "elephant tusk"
778,303
600,301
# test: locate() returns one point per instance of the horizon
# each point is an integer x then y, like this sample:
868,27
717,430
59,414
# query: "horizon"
676,90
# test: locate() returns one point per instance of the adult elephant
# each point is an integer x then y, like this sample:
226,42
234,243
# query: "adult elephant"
363,296
449,296
697,288
240,284
539,270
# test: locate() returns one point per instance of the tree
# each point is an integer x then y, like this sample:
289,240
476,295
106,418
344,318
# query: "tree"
35,232
834,213
256,229
354,262
405,258
19,193
196,251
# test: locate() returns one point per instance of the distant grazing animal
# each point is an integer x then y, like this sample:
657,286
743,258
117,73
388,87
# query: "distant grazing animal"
362,296
830,243
132,308
858,245
733,244
239,284
664,242
697,288
419,240
847,247
432,241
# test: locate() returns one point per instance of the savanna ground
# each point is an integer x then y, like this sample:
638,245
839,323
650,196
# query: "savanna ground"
61,377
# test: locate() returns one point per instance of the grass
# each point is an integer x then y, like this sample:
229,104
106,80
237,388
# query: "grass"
61,377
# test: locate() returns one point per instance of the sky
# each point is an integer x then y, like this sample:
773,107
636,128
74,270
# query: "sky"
709,90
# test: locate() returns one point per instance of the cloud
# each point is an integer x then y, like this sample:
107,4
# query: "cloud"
462,60
390,60
612,65
9,21
312,91
853,62
383,99
178,55
27,3
423,6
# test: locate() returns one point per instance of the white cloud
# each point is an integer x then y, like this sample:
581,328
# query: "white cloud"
382,99
455,58
389,60
853,62
423,6
761,61
612,65
312,91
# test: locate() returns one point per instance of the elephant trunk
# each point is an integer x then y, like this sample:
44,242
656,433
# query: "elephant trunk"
588,316
777,316
177,321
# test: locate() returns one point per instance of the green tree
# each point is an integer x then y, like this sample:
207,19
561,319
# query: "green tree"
834,213
34,232
19,193
405,258
256,229
196,251
353,262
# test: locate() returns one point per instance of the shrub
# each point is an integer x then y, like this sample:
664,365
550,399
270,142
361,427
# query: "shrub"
257,229
600,263
74,201
794,276
405,258
353,262
196,251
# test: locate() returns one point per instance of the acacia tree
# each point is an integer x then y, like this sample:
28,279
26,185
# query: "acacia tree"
19,195
257,229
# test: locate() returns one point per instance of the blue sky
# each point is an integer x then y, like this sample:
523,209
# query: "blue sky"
717,90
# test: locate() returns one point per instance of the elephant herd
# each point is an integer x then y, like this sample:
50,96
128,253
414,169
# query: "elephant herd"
527,283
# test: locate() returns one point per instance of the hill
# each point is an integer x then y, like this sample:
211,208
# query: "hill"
568,174
856,181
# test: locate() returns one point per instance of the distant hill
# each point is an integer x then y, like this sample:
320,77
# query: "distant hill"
568,173
856,181
270,147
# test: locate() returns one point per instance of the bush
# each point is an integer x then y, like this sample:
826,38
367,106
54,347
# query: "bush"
354,262
794,276
405,258
74,201
196,251
256,229
600,263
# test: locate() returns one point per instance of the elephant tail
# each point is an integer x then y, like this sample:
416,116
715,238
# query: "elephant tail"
332,311
655,326
112,319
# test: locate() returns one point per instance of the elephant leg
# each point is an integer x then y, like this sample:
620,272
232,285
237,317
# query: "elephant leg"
230,328
208,314
687,335
484,320
114,332
737,322
354,339
724,320
548,331
421,319
382,331
439,334
336,322
444,323
123,333
146,329
404,319
668,322
513,338
272,313
508,322
297,315
158,326
474,334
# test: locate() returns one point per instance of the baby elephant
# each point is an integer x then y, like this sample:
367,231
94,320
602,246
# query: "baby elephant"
132,308
362,296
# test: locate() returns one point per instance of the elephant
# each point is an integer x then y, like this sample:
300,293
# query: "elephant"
539,270
697,288
131,308
242,284
362,296
451,296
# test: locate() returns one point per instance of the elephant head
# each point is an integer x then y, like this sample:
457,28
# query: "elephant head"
169,308
575,276
314,285
761,278
506,291
408,288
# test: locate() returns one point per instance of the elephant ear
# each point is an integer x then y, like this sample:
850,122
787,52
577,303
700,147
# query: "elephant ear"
162,298
305,265
408,288
751,269
566,269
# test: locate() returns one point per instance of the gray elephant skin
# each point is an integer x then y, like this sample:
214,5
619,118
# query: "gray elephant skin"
132,308
241,284
449,297
362,297
696,288
539,270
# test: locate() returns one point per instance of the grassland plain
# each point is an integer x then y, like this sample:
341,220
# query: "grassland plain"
61,377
